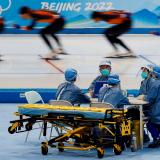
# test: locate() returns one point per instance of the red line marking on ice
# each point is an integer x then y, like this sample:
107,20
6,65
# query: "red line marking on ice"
54,66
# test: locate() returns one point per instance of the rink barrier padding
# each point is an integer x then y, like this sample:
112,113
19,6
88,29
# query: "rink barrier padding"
81,31
16,95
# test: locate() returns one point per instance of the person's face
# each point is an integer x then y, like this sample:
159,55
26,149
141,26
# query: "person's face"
105,70
105,67
145,73
145,70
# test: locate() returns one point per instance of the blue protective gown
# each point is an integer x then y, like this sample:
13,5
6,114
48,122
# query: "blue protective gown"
146,84
70,92
113,95
153,98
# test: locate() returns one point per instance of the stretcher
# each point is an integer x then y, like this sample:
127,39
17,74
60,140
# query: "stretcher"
83,128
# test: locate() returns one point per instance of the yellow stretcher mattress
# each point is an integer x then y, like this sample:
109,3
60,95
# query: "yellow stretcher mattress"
87,112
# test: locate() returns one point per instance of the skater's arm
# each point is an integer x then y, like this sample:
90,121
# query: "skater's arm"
30,27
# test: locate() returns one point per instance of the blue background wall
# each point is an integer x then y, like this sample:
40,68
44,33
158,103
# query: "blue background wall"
146,13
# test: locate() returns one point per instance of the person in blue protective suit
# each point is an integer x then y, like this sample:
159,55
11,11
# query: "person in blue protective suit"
153,98
147,80
69,91
146,84
105,70
113,94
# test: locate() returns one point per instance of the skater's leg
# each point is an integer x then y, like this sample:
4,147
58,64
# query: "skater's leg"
57,40
44,37
111,39
118,30
118,41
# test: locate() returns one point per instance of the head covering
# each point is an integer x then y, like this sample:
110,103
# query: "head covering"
105,62
156,71
148,66
24,10
70,74
113,81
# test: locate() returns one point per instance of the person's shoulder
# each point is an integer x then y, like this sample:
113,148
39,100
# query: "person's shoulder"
98,77
76,87
114,75
152,80
62,84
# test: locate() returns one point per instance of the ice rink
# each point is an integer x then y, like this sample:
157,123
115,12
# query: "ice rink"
22,68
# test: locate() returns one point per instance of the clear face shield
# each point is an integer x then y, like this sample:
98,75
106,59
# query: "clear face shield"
145,71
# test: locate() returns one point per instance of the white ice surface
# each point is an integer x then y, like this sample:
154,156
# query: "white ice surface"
22,68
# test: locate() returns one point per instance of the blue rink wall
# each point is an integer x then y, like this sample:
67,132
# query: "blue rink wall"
83,31
145,14
17,95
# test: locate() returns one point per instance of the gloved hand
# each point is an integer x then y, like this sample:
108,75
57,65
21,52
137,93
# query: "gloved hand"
141,97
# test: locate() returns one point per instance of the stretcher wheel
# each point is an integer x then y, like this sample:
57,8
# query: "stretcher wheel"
44,148
10,130
117,149
29,126
100,152
60,145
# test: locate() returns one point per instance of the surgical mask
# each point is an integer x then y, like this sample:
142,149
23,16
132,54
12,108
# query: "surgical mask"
105,72
144,75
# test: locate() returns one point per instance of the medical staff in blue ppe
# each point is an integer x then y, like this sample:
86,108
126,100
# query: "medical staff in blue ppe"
147,81
113,94
146,84
69,91
105,70
153,98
